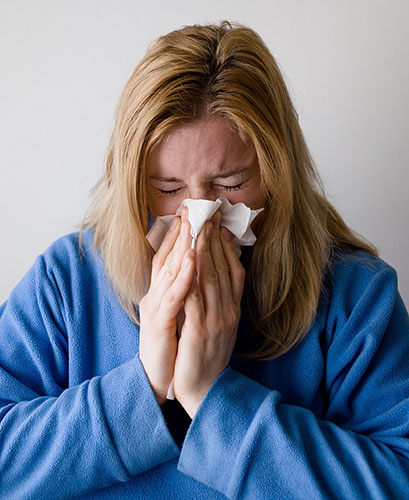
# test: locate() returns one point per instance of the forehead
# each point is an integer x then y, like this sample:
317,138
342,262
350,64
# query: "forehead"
210,145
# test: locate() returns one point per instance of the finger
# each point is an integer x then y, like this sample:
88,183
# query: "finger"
173,247
237,271
172,299
172,266
194,306
219,261
208,278
166,246
174,258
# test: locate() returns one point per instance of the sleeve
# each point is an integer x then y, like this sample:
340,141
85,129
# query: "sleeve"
58,442
247,444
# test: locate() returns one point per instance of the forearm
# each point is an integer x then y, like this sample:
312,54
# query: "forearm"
89,437
247,445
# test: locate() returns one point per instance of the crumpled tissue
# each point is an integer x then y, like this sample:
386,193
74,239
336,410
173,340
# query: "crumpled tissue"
236,218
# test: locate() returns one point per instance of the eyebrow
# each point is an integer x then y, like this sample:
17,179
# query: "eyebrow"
230,173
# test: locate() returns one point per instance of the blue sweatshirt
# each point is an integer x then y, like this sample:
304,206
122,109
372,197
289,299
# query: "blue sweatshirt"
78,419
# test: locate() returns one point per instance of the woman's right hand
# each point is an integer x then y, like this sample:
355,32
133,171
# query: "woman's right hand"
173,269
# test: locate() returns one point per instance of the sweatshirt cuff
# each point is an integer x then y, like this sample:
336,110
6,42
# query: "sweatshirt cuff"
216,445
134,419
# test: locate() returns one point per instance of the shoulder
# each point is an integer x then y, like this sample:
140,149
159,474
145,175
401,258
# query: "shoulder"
60,279
71,253
351,273
70,248
73,267
360,289
358,259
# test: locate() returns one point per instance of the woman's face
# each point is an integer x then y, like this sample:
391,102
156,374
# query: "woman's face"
206,159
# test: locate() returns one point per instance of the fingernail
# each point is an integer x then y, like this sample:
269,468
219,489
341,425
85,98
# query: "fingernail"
227,235
184,213
209,228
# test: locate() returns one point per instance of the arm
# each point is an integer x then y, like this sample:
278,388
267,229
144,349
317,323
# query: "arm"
59,442
248,445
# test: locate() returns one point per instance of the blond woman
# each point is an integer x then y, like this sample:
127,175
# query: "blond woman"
289,364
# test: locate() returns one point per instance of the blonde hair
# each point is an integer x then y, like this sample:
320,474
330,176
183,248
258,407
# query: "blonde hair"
222,70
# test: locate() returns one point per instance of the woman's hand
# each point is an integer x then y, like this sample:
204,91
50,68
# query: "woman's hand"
173,269
212,313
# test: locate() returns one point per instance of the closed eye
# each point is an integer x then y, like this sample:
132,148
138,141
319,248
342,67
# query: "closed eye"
170,192
233,188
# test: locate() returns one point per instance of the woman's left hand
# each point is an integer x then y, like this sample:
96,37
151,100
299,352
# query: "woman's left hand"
212,313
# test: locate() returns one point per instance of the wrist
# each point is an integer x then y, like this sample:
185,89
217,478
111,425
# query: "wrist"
191,406
192,402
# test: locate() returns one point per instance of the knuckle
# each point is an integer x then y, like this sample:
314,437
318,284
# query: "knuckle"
168,273
197,294
211,276
169,297
215,234
223,266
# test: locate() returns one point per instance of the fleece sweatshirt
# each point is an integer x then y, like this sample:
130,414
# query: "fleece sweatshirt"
78,418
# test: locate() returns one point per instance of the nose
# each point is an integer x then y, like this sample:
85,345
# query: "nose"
202,193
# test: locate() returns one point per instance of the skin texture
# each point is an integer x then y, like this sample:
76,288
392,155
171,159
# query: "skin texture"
189,316
197,155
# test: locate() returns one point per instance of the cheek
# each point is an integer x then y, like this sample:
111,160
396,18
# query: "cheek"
252,197
163,205
256,195
257,200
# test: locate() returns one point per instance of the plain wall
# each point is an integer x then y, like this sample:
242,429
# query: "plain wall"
64,64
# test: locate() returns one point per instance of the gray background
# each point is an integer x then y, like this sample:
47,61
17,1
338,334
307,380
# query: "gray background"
64,64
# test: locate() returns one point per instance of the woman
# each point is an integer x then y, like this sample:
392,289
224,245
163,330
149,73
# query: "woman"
289,365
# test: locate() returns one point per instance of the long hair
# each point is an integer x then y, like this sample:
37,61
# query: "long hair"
223,70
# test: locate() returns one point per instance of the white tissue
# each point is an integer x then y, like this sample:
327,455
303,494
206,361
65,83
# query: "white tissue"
236,218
